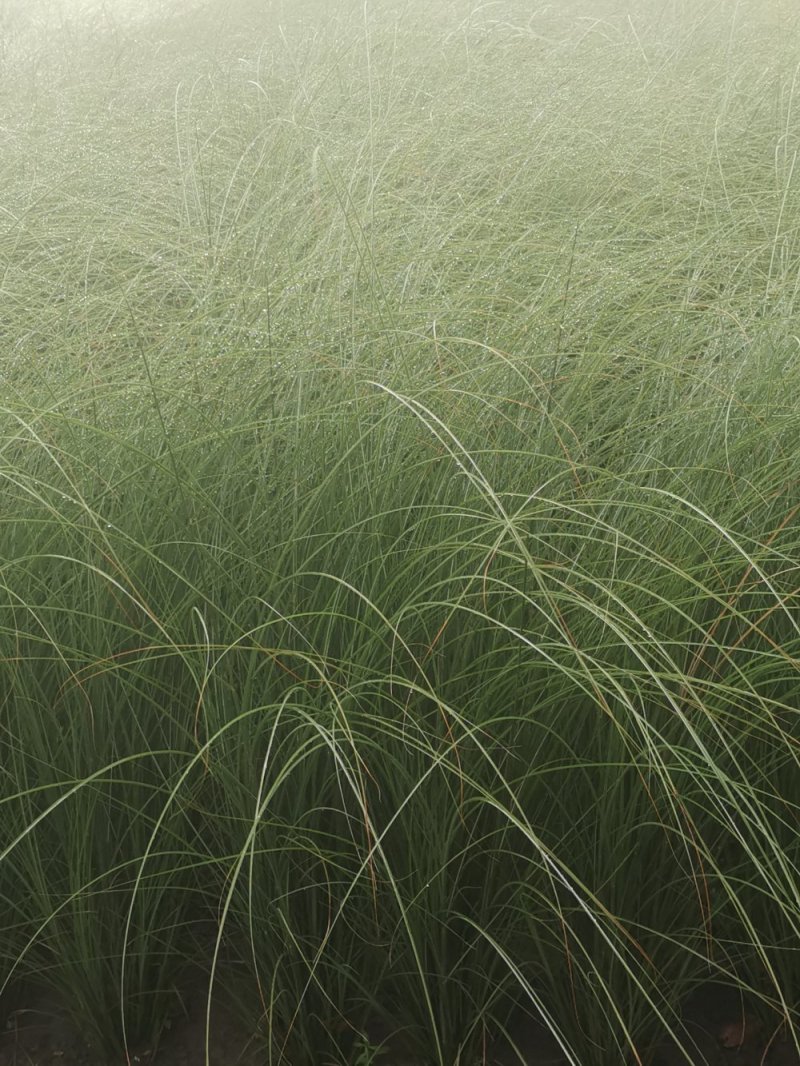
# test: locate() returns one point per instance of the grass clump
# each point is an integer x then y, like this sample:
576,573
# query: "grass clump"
398,583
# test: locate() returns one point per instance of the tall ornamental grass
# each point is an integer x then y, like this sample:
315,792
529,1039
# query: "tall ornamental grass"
399,533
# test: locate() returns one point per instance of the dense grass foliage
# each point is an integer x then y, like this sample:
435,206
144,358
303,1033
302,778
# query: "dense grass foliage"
399,541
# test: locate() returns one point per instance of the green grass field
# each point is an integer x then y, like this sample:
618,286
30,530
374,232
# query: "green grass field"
399,539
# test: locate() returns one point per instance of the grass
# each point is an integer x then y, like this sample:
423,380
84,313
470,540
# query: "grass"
398,551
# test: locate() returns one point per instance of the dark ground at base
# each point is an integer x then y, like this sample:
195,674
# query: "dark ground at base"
36,1034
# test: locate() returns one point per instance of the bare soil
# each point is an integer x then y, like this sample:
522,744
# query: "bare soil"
718,1029
37,1033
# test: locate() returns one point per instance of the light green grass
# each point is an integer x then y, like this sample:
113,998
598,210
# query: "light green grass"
398,548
